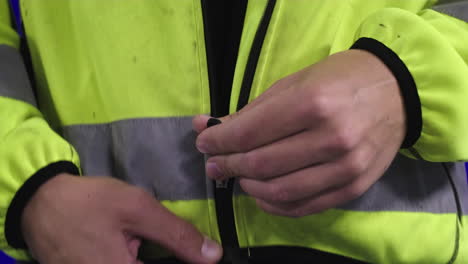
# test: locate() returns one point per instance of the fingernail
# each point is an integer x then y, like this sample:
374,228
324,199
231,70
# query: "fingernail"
210,249
213,171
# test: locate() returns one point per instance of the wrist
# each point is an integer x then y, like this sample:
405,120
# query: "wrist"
406,84
14,217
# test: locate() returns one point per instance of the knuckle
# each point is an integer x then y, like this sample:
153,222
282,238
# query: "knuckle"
317,107
256,165
278,193
226,168
342,140
356,165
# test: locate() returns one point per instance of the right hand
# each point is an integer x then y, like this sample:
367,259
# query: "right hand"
81,220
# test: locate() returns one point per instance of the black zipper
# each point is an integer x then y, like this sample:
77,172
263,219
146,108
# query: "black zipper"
223,191
254,55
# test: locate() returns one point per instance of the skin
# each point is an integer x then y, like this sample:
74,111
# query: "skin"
81,220
314,140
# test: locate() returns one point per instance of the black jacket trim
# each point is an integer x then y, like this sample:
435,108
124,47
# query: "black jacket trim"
281,254
406,82
12,227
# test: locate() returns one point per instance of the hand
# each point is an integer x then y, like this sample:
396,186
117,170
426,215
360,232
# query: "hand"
81,220
316,139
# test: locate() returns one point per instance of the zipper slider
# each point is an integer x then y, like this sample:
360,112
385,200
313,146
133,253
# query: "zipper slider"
223,184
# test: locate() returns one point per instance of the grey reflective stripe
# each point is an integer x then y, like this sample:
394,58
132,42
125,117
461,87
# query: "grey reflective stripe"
159,155
14,81
458,9
413,186
460,181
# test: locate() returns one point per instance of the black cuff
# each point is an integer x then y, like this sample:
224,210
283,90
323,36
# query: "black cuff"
405,80
12,227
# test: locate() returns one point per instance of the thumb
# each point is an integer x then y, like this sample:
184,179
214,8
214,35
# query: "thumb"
157,224
199,123
202,122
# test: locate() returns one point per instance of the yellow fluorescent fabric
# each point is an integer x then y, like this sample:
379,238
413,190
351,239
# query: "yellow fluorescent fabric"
201,213
27,144
298,37
463,255
359,235
7,35
433,47
94,42
254,13
118,61
102,61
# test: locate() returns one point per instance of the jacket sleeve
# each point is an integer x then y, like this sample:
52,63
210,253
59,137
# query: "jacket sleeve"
428,53
30,151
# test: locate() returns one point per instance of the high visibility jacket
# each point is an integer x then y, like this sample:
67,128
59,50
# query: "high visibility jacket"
117,83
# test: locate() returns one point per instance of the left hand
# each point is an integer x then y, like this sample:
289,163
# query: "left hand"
316,139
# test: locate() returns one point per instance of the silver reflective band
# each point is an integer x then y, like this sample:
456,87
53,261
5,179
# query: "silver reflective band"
14,81
458,9
416,186
159,155
413,186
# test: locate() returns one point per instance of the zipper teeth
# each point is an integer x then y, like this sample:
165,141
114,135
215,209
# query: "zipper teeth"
254,55
223,192
249,73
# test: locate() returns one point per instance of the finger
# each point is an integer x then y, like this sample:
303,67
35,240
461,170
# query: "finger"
312,181
281,157
133,244
113,250
327,200
199,122
275,118
278,88
152,221
332,197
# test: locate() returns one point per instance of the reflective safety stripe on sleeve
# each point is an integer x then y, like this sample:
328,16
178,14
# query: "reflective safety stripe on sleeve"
14,81
458,9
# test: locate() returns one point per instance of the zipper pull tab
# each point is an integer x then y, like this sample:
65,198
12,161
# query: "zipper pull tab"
213,122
